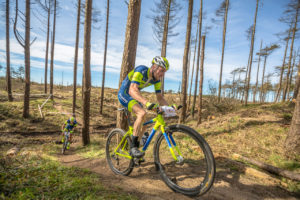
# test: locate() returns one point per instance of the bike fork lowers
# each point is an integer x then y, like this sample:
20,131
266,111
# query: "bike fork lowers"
169,137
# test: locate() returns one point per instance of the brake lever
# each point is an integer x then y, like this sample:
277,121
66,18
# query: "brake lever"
159,111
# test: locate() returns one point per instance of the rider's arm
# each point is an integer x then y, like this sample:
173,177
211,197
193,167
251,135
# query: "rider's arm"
75,125
159,96
135,93
161,100
63,126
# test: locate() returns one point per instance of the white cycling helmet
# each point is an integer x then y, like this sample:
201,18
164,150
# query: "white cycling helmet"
161,61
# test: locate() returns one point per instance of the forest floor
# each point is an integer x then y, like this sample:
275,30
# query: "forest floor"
255,131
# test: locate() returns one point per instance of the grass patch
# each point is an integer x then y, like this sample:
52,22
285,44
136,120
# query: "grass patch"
96,149
281,162
33,177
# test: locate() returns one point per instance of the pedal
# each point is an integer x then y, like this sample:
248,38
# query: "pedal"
136,162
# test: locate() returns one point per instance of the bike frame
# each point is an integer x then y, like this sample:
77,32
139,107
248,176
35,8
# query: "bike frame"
159,123
67,134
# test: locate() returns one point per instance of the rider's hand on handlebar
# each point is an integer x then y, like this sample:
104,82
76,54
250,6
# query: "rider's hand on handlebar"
175,106
151,106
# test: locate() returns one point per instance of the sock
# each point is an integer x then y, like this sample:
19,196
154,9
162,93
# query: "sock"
135,141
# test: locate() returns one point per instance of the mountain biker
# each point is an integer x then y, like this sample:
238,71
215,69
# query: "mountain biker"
130,96
68,126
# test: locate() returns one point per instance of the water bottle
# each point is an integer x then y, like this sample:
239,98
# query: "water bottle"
144,138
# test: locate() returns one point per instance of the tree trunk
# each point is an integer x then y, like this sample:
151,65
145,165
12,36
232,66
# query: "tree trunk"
198,59
27,61
129,53
47,48
201,80
262,82
76,58
223,47
165,42
185,61
245,83
291,53
254,93
251,54
270,168
283,63
291,76
8,80
191,84
297,84
104,61
52,52
292,142
87,72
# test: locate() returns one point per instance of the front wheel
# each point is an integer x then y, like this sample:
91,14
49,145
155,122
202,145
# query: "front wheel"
65,143
117,152
191,169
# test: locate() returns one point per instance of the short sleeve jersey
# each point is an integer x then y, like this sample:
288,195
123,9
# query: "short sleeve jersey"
70,126
140,76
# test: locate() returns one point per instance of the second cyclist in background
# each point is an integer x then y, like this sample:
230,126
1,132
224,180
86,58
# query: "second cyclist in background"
69,126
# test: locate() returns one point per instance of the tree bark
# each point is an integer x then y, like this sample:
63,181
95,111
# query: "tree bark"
251,54
191,84
297,84
8,78
291,76
47,48
87,72
27,61
185,61
270,168
165,42
223,47
291,53
129,53
76,58
262,82
283,64
104,60
198,59
201,80
258,65
52,51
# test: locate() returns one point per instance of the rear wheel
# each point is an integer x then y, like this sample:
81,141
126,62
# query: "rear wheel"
194,171
117,152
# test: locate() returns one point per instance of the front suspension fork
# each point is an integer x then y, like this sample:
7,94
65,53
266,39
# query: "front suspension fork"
168,135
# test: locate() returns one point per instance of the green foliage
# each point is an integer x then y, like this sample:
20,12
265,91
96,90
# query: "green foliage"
281,162
96,149
287,116
33,177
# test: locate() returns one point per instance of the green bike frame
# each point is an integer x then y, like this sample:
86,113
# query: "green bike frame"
159,123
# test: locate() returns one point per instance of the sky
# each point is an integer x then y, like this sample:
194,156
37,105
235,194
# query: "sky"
240,18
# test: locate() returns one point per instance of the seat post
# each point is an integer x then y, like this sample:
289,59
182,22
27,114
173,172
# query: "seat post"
127,114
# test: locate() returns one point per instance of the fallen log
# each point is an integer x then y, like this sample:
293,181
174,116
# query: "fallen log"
274,170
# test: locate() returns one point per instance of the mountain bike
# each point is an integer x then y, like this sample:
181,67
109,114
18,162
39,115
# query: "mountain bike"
181,155
66,140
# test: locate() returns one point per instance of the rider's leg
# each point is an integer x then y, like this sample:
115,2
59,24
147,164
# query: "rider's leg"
71,136
63,136
140,117
140,114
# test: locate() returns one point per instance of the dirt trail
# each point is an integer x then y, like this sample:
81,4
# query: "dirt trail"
145,182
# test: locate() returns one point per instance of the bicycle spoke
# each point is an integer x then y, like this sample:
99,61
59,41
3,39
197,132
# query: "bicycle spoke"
193,168
117,151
